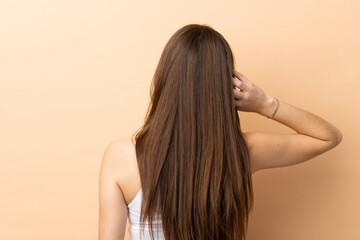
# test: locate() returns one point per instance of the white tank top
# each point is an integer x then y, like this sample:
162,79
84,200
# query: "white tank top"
134,218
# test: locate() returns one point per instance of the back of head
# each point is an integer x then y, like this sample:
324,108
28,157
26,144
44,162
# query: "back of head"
192,156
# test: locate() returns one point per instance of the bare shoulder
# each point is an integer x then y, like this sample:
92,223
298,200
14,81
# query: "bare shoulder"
121,143
112,197
118,147
119,156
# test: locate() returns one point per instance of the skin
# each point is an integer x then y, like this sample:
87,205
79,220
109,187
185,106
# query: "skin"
119,178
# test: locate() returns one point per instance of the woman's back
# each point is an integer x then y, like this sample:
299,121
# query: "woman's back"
135,228
267,150
191,160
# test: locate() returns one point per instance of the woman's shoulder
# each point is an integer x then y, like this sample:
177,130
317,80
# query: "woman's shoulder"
120,146
120,156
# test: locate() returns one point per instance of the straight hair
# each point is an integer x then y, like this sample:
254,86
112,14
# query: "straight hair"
192,156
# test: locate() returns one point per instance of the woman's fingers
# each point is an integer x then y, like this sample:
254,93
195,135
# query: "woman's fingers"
238,94
236,82
239,84
238,74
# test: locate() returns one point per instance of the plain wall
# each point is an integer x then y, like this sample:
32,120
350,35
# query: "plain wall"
75,75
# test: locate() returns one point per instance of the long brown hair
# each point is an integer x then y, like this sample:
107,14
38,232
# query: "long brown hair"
192,156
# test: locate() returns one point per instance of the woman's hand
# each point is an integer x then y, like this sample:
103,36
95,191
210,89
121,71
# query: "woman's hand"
249,97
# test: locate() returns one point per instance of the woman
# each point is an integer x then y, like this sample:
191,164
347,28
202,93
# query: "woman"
187,172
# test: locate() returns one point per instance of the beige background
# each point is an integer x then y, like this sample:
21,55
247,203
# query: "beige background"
75,75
